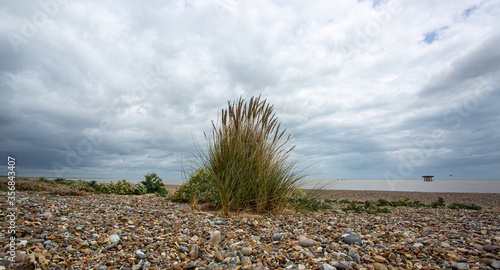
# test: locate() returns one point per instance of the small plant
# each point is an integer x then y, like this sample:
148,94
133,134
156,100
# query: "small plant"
154,184
104,189
78,183
382,202
456,205
440,201
367,207
198,188
121,187
353,206
368,204
94,185
139,189
301,201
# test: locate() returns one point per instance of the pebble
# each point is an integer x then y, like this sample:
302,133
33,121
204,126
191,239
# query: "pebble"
190,265
326,266
195,251
247,251
353,239
306,242
140,254
276,237
216,238
490,248
379,266
460,266
114,238
219,222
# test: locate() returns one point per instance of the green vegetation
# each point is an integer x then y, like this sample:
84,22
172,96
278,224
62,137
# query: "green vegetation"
373,206
405,202
198,188
300,202
154,184
464,206
248,159
61,186
139,189
367,206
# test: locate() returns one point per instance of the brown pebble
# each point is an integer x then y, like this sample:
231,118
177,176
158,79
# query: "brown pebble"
380,259
379,266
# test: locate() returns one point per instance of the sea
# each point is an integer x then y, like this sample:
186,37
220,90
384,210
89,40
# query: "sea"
470,186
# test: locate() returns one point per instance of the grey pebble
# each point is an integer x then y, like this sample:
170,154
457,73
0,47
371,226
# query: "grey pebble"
276,237
353,239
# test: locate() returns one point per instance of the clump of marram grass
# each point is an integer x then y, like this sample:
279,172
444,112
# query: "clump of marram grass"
248,159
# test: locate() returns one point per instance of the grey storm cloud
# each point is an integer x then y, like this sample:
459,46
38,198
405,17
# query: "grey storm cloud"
117,89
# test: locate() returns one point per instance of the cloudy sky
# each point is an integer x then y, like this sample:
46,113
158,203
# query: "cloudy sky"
374,89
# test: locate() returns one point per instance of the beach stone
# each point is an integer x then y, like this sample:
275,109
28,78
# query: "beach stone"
418,245
379,266
19,257
353,239
218,257
326,266
5,264
485,261
445,245
247,251
182,249
490,248
190,265
219,222
102,267
308,253
216,238
379,259
460,266
356,258
276,237
139,254
306,242
114,238
495,264
195,250
25,266
166,223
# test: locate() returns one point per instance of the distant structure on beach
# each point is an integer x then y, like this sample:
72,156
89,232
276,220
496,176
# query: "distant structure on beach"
428,178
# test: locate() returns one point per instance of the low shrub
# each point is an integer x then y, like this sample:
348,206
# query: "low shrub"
456,205
301,201
78,183
154,184
197,188
121,187
139,189
367,207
